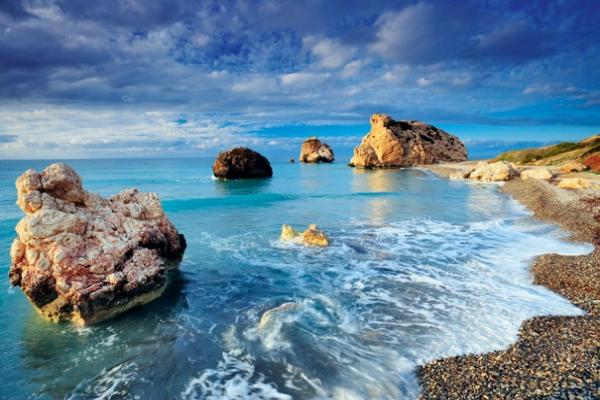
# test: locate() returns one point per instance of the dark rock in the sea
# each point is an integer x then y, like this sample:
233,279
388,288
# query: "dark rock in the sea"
292,160
314,151
393,143
82,258
241,162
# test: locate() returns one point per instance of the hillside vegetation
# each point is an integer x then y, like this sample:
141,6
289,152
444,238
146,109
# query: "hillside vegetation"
554,155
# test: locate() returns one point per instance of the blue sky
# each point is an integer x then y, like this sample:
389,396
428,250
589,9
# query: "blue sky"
121,78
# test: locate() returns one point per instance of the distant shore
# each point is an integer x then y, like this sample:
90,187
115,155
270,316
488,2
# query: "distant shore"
555,356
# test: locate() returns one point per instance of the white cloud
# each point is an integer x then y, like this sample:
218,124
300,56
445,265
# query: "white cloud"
304,79
256,84
354,67
330,53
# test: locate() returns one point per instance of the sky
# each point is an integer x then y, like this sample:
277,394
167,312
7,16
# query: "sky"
131,78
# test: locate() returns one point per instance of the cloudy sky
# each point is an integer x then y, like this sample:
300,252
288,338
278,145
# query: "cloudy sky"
117,78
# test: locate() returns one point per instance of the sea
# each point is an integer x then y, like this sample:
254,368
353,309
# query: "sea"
418,268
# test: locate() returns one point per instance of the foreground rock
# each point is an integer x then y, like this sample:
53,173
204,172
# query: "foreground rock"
314,151
310,237
241,162
500,171
405,143
82,258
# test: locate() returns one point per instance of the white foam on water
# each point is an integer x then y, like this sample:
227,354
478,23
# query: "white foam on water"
111,383
382,300
233,378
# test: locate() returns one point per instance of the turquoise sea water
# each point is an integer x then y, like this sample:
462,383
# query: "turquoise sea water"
419,268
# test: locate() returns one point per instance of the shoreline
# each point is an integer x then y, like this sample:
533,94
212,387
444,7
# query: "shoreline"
554,356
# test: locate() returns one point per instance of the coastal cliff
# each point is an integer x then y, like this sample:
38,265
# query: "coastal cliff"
82,258
392,143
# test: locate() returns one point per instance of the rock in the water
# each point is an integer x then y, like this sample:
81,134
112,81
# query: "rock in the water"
313,151
405,143
574,183
494,172
82,258
241,162
313,236
267,317
536,173
573,167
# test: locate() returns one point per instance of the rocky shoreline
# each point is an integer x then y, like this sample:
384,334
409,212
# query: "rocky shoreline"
555,357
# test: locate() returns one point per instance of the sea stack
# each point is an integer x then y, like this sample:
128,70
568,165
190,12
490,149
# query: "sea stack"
82,258
241,162
314,151
391,144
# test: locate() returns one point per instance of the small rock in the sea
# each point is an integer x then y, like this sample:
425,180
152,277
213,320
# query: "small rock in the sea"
392,143
493,172
312,236
241,162
574,183
314,151
536,173
292,160
572,167
82,258
268,315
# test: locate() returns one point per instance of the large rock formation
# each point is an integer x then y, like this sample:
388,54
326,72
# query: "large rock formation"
83,258
405,143
241,162
314,151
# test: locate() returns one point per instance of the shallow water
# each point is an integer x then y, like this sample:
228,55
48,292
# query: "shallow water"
419,268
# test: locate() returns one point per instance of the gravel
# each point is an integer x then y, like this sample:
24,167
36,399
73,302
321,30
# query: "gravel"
555,357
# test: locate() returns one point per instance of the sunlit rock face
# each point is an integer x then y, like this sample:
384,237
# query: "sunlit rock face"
312,236
82,258
392,143
314,151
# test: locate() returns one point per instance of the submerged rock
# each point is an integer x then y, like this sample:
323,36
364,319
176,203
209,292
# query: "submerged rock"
310,237
314,151
500,171
82,258
270,313
241,162
405,143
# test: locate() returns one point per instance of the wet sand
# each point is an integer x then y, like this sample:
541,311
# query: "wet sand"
554,357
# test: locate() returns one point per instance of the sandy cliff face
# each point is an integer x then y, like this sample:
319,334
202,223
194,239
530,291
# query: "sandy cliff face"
83,258
405,143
